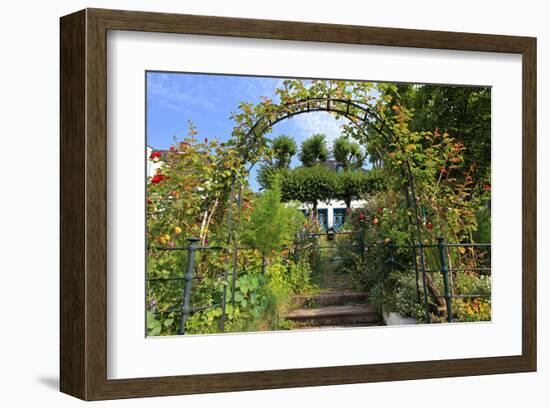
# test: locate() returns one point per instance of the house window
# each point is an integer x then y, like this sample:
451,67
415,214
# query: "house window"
339,218
322,215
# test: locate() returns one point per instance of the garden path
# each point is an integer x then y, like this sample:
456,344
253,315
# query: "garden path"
334,304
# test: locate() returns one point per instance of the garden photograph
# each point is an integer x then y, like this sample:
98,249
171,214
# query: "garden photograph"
295,204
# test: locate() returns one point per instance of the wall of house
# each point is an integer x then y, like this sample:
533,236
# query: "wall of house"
331,207
151,165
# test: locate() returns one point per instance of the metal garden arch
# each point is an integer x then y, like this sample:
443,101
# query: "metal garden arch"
361,115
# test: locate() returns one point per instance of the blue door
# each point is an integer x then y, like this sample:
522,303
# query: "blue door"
322,215
339,218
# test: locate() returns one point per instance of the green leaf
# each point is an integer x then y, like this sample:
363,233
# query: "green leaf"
155,331
151,321
229,309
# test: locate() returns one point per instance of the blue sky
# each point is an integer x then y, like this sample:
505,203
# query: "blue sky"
208,100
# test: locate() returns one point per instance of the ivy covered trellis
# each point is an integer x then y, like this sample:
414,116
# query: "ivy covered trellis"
371,122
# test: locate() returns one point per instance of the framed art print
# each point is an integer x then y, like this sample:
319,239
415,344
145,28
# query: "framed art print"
253,204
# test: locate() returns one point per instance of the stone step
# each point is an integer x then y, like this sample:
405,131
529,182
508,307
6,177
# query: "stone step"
366,324
335,315
329,298
333,281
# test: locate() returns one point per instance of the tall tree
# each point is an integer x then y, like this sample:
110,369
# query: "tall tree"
282,150
463,112
309,185
353,185
314,150
348,153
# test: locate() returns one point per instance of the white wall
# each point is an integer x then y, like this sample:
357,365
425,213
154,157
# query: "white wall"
331,206
30,202
152,166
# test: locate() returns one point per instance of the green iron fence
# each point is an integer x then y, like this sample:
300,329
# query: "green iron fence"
439,259
189,281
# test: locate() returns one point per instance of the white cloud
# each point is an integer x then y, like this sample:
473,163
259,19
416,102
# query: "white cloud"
317,122
168,90
253,89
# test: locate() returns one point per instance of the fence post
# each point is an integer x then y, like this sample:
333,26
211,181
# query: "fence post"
416,275
424,281
188,278
235,261
443,268
224,297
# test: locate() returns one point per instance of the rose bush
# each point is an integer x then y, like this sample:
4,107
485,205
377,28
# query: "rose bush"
189,195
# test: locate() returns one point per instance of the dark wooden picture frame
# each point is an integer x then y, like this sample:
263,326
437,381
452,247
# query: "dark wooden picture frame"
83,332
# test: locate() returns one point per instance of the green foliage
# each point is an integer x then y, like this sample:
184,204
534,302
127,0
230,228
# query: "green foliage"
321,184
154,326
278,292
299,276
189,196
266,175
353,185
483,231
272,224
347,153
462,112
314,150
472,310
284,148
400,295
193,181
387,270
308,184
267,303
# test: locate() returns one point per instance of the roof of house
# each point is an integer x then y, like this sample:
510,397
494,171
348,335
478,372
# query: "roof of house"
332,164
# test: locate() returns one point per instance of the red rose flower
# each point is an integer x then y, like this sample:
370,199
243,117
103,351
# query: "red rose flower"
157,178
172,148
362,216
155,155
379,210
429,225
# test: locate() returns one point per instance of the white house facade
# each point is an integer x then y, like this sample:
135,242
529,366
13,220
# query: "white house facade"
152,165
332,214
